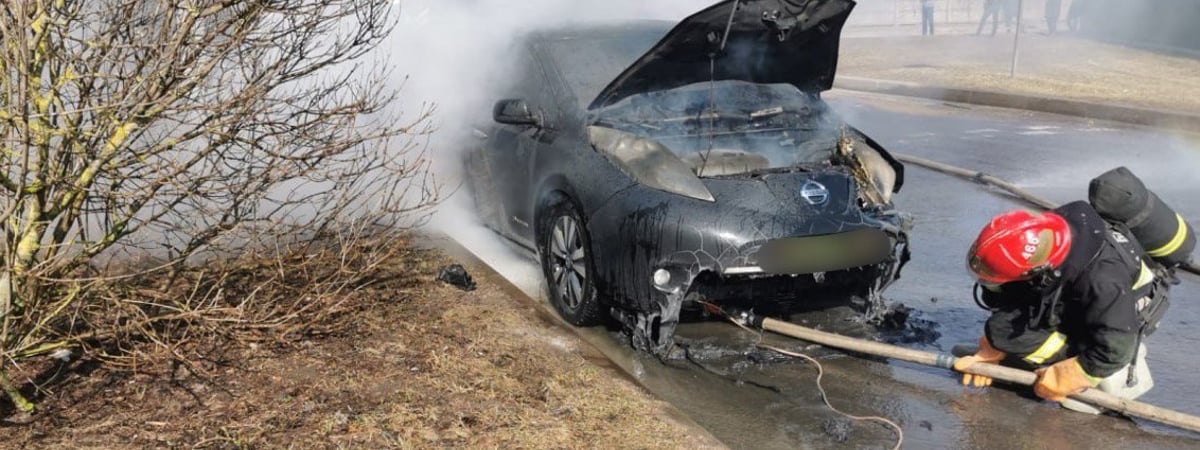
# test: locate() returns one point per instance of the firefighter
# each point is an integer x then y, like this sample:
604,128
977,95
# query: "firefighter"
1071,296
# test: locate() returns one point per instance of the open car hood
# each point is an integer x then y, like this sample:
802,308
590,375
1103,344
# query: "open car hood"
769,41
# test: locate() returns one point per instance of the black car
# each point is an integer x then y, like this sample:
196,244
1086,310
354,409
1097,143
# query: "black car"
648,165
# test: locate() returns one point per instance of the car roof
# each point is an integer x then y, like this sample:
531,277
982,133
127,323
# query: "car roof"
600,30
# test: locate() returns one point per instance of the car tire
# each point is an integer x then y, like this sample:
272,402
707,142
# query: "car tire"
565,251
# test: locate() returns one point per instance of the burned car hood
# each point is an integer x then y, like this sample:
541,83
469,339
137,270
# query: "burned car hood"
769,41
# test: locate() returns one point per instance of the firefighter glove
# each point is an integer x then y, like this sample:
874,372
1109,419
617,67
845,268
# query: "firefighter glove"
985,354
1062,379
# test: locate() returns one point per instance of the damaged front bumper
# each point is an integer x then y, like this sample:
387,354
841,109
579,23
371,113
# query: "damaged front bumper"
682,281
755,250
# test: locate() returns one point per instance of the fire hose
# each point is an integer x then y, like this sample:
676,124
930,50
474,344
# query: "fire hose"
1022,194
946,361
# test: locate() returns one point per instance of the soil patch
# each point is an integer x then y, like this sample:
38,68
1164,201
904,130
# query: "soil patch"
425,365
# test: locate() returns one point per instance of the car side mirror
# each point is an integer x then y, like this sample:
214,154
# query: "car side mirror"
515,112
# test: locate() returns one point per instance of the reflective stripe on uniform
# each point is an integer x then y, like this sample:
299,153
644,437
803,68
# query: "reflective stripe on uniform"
1175,242
1145,276
1049,348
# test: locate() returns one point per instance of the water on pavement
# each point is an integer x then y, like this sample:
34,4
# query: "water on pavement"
752,398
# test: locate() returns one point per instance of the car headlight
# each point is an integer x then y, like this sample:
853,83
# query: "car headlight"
648,162
875,177
883,176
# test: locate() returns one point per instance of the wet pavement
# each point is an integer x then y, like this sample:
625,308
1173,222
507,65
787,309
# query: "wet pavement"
752,398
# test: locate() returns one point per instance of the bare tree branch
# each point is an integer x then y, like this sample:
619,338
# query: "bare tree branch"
183,132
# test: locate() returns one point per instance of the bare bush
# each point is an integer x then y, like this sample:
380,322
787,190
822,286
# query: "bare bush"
144,137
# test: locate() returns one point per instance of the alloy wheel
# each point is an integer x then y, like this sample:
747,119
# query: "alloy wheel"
569,270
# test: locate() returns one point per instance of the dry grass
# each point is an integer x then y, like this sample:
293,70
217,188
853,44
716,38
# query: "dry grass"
417,365
1058,66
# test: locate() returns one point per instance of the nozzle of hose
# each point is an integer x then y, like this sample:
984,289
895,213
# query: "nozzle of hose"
749,319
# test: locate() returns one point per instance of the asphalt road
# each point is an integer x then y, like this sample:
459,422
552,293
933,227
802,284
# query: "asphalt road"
751,398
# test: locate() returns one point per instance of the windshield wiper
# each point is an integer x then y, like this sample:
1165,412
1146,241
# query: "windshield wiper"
710,115
768,112
767,171
617,124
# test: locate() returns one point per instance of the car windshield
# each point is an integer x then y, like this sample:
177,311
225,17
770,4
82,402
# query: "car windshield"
589,63
732,126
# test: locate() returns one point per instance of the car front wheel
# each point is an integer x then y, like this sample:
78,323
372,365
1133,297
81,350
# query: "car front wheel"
565,251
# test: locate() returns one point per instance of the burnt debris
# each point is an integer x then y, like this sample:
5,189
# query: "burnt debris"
899,324
456,275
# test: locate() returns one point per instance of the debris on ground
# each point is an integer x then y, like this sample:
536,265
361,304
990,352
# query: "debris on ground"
899,324
896,317
456,275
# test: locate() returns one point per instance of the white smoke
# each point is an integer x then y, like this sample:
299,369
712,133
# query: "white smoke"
451,53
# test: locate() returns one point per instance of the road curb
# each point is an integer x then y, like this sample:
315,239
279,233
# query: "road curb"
1178,120
586,349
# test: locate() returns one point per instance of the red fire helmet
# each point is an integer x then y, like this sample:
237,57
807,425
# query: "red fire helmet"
1016,243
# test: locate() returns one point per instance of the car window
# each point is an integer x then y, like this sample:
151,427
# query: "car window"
528,82
589,63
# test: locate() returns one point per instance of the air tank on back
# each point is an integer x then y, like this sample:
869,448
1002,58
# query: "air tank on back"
1120,196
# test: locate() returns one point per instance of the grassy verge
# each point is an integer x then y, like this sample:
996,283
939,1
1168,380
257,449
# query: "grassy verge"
414,364
1056,66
